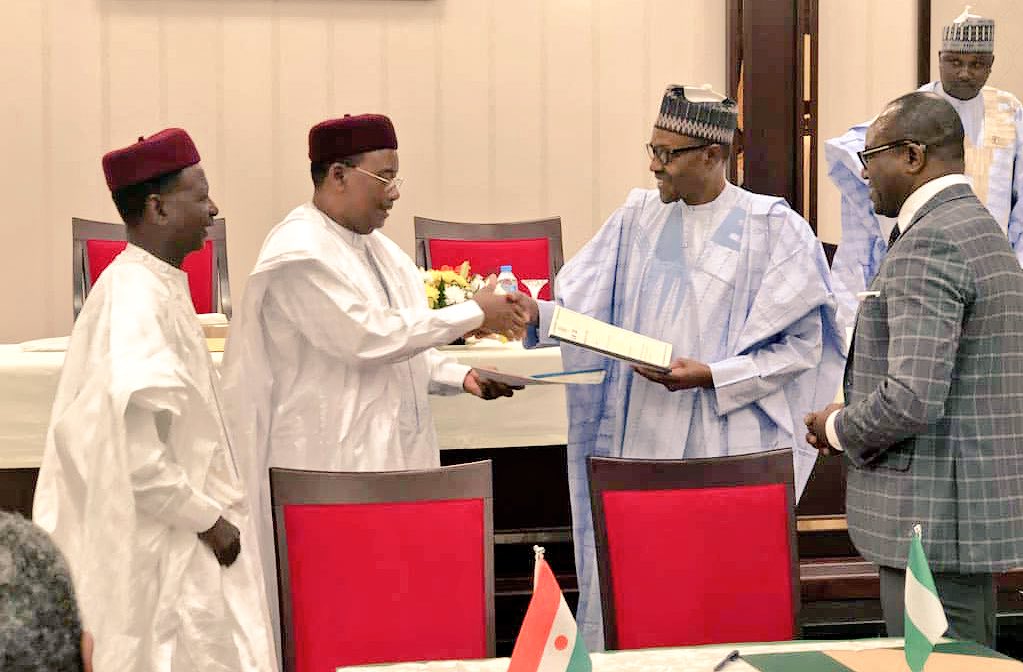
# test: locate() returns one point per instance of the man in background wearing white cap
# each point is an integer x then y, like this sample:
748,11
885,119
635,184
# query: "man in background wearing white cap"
735,281
993,121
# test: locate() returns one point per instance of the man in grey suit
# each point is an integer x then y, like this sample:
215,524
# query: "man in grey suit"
933,421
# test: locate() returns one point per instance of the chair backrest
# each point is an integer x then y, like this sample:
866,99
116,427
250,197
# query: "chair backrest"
696,551
378,567
95,244
533,248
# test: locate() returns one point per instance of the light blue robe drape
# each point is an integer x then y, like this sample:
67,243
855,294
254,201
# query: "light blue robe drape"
863,243
755,304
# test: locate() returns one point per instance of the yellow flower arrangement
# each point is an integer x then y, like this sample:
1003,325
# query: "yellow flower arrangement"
447,286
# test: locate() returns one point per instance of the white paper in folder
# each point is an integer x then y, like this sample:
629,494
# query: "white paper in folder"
609,340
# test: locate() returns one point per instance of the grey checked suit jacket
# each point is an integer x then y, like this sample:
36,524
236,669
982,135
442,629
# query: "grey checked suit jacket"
933,426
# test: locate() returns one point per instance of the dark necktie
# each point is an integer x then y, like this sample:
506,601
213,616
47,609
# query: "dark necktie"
895,236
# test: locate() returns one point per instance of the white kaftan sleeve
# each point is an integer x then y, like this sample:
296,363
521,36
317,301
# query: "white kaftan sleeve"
742,380
161,487
329,310
447,376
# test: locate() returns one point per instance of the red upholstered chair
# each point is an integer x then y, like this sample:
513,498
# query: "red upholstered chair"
696,551
379,567
95,244
533,248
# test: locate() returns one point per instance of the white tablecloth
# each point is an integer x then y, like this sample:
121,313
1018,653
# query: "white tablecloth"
686,659
535,416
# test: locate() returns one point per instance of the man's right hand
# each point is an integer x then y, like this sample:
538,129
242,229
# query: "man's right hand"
502,313
224,540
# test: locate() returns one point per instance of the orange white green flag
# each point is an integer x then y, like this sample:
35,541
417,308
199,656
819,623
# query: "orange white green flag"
549,639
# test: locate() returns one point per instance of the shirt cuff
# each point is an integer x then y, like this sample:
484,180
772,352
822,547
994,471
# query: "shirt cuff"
831,432
198,513
736,383
733,370
536,336
451,375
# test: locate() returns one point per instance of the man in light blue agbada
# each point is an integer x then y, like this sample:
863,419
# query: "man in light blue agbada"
993,121
739,286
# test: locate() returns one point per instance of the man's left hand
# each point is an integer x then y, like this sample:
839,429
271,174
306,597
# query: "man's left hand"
816,426
685,374
486,389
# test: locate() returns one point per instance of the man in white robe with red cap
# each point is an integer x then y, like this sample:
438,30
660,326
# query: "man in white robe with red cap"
138,485
332,353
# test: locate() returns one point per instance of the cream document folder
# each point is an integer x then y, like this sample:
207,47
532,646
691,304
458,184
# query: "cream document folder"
609,340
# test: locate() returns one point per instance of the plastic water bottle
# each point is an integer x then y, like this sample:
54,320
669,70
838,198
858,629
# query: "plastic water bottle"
507,283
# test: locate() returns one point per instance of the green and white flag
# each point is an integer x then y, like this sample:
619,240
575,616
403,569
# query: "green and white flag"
925,617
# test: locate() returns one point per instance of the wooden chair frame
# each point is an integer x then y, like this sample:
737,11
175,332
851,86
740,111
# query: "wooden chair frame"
435,229
607,474
472,480
84,230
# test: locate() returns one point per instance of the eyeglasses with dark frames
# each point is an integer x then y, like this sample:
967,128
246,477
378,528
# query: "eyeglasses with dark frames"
866,154
666,155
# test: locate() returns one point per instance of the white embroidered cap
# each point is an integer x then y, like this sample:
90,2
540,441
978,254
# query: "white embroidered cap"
698,112
969,33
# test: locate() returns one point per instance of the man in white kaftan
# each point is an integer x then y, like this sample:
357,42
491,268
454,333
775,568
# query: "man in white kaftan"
739,286
332,353
993,121
138,486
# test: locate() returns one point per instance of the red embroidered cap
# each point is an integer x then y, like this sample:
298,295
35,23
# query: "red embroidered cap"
336,139
165,152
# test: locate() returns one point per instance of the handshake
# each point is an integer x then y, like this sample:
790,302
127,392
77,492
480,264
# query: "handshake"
505,314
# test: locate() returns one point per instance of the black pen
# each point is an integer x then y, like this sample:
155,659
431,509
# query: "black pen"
734,655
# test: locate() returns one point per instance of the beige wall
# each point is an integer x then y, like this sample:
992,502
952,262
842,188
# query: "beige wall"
867,56
504,110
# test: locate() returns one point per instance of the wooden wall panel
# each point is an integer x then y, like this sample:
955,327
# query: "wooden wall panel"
304,71
517,110
855,83
504,110
193,60
571,171
622,105
78,118
24,144
245,192
134,68
464,124
413,45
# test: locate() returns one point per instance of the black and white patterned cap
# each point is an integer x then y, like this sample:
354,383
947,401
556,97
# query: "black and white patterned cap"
969,33
698,112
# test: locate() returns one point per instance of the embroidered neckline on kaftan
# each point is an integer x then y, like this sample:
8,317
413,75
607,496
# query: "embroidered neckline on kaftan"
155,264
726,198
356,240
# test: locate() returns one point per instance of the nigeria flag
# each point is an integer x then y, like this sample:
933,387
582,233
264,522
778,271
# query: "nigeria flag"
925,617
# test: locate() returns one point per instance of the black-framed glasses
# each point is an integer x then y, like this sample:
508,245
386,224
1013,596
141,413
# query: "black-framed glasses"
666,155
865,154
